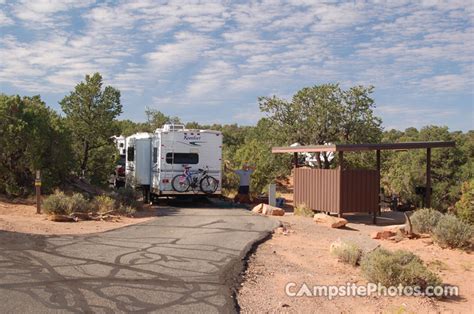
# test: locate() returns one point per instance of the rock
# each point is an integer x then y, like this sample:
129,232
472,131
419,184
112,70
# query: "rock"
333,222
268,210
272,210
258,209
396,228
383,234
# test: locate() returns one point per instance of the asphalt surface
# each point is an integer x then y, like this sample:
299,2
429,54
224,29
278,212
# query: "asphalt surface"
185,260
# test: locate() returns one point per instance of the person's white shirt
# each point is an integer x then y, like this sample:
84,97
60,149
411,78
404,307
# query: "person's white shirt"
244,176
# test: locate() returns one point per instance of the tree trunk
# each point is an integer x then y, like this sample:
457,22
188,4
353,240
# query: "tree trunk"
326,161
318,160
85,158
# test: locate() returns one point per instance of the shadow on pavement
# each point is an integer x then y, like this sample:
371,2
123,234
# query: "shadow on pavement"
181,262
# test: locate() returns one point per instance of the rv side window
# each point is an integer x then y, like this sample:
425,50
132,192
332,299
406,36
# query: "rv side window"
155,155
131,154
182,158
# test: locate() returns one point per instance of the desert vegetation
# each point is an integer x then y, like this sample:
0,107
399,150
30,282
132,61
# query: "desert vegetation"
394,268
123,202
77,142
446,229
346,252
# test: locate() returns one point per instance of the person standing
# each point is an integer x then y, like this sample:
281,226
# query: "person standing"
244,174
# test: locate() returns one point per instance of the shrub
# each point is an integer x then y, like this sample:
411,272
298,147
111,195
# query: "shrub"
424,220
395,268
126,210
346,252
78,203
104,203
57,204
452,232
302,210
465,206
127,196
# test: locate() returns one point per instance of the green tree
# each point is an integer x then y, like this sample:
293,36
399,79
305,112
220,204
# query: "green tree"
256,150
32,137
403,171
90,113
465,205
324,114
128,127
156,119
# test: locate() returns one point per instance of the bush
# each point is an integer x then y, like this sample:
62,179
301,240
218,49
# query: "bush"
78,203
302,210
465,206
452,232
126,210
424,220
127,195
104,203
346,252
395,268
57,204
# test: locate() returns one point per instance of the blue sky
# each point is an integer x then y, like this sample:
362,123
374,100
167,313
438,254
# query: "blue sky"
208,61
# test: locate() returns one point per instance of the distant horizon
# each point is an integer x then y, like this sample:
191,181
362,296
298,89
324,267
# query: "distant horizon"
208,62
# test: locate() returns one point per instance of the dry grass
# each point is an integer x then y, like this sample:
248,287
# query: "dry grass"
302,210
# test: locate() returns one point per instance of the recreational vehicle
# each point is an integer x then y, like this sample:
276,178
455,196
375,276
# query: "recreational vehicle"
117,178
175,161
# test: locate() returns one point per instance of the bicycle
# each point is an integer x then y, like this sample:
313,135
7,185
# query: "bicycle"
196,180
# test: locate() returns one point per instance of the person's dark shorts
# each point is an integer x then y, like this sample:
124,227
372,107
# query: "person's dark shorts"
244,189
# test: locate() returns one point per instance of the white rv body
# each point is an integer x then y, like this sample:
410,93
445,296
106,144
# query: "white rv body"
138,159
168,150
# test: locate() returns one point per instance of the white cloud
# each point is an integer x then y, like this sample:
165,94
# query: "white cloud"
33,12
209,52
5,20
187,47
214,77
449,82
399,116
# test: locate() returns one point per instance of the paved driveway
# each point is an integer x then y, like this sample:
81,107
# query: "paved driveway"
186,260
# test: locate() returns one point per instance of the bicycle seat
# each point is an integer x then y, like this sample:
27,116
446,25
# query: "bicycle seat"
201,170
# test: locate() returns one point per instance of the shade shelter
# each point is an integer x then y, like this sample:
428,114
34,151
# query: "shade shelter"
343,190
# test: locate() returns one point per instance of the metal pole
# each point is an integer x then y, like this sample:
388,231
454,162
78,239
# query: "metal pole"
38,191
378,173
428,178
341,160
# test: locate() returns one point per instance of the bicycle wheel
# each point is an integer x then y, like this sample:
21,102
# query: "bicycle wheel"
209,184
180,183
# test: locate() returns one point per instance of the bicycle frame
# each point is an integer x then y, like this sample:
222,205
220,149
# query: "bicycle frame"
190,175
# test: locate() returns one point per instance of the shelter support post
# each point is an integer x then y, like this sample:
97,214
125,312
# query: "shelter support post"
378,184
341,160
341,165
428,178
295,160
38,191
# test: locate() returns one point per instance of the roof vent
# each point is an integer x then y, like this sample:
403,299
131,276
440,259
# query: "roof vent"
173,127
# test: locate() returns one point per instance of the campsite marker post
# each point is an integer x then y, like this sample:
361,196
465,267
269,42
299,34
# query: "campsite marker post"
38,191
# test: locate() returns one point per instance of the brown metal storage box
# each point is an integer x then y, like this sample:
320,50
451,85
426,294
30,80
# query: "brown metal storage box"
337,191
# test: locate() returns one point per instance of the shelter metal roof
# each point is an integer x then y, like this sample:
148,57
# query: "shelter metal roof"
361,147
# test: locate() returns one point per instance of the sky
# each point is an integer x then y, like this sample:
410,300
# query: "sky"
209,61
